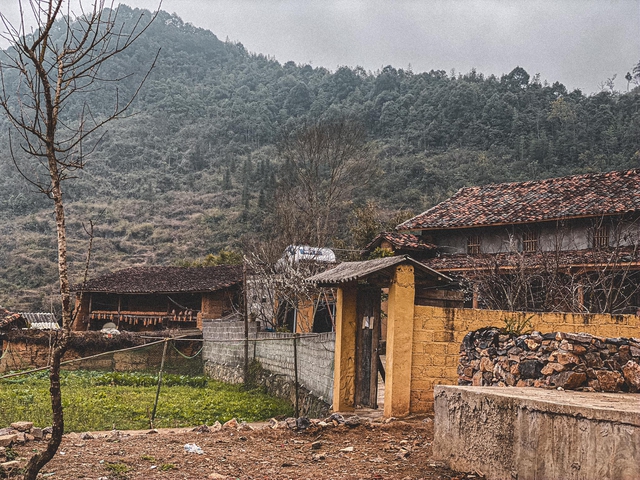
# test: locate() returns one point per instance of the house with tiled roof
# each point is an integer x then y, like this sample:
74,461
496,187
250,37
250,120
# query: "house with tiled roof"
155,298
568,233
402,244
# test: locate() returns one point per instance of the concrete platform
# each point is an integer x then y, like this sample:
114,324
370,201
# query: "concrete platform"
532,433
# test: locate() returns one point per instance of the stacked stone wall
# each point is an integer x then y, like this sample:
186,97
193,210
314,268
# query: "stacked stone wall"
438,333
570,361
223,355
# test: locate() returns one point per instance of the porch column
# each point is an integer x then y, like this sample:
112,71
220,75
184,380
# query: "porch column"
397,391
344,373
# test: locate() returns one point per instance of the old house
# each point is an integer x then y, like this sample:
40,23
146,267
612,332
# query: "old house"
153,298
561,244
402,244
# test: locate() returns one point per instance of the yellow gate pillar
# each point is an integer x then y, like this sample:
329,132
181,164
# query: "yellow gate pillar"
344,373
397,392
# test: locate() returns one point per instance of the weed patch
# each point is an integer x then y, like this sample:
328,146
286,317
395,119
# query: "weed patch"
107,400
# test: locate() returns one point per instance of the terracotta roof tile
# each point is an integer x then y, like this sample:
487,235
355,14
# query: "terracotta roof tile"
592,194
402,241
165,280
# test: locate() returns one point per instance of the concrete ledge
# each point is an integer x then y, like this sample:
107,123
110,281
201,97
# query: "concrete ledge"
531,433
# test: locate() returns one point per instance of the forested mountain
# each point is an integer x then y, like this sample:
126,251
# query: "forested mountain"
196,169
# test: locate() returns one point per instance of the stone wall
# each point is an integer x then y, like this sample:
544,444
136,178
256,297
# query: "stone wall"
566,360
223,355
438,334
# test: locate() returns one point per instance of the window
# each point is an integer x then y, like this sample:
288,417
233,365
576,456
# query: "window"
530,241
473,244
601,236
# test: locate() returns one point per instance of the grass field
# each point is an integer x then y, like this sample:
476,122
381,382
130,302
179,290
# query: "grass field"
107,400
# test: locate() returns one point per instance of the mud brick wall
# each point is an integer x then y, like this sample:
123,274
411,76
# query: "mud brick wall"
570,361
224,355
438,333
21,355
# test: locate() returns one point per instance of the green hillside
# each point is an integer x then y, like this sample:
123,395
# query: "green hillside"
195,170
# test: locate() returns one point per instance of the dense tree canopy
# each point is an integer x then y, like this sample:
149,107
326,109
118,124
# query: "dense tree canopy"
198,162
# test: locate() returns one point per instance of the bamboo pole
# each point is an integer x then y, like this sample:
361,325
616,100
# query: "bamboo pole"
155,403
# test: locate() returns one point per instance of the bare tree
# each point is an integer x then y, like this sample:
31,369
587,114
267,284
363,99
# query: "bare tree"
273,287
58,61
602,279
324,162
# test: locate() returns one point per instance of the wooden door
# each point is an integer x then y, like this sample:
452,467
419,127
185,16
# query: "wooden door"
367,341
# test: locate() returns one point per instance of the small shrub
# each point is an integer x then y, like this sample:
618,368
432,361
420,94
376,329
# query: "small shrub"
518,325
167,466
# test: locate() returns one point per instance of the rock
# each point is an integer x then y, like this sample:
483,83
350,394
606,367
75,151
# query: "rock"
609,381
7,440
317,457
302,423
153,431
631,372
316,445
37,433
578,337
532,344
245,426
216,427
273,423
551,368
353,421
201,429
21,437
233,423
86,436
530,369
593,360
217,475
634,351
568,380
566,358
22,426
347,449
6,467
335,417
7,431
291,423
477,380
486,365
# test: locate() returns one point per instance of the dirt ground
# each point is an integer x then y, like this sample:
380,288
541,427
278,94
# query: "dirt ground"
394,450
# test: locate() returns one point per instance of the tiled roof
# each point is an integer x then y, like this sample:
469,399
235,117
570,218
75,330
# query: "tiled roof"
10,320
404,241
350,271
571,258
165,280
587,195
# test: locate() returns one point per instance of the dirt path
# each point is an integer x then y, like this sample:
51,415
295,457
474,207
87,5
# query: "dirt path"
397,450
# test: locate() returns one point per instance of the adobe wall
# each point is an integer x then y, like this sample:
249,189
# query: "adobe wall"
22,355
223,355
531,433
438,333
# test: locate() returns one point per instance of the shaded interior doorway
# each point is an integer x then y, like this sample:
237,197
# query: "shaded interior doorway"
368,328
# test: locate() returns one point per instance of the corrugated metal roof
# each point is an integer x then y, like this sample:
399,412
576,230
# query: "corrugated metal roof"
350,271
41,321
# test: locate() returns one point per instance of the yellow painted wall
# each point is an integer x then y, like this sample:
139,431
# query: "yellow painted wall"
438,333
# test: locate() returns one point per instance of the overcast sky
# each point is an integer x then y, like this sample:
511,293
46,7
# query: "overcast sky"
580,43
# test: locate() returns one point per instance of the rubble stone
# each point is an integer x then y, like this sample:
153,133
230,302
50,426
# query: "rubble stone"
631,373
570,361
22,426
7,440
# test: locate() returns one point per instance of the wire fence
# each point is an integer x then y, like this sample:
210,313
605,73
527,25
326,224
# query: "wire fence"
158,383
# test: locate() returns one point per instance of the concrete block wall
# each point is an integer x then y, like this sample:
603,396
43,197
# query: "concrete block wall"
438,333
273,350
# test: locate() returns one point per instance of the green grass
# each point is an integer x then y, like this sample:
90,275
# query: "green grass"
106,400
